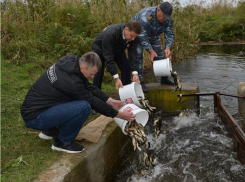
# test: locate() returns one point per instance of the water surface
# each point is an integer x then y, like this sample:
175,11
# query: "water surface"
192,148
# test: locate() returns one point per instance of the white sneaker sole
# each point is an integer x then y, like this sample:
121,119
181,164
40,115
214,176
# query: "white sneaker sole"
64,150
44,137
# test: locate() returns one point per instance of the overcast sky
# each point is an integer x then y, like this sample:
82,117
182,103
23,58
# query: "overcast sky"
206,2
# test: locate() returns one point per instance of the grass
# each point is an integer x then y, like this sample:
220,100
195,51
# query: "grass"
23,154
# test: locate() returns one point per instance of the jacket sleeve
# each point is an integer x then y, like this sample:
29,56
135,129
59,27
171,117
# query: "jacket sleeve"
169,34
132,55
108,42
83,90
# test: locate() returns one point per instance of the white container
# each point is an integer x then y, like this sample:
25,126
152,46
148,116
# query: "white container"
129,93
141,116
162,67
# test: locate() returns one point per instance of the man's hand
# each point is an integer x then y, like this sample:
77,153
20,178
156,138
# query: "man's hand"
153,55
127,114
116,104
118,83
136,78
167,53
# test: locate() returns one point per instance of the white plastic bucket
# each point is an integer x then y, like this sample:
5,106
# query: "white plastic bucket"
129,93
141,116
162,67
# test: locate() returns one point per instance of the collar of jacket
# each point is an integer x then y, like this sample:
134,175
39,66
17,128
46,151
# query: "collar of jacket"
152,15
124,37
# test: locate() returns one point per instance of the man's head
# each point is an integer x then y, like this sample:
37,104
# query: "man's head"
132,30
90,64
164,12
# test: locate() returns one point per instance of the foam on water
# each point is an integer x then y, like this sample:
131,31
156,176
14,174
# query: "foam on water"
156,143
184,121
190,149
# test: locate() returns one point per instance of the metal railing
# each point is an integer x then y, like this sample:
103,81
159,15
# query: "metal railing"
234,129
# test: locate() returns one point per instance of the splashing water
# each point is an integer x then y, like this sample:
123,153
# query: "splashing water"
189,149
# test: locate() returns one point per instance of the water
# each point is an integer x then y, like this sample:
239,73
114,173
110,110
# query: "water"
216,69
195,148
189,149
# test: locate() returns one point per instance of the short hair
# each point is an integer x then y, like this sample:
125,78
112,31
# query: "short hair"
134,26
90,59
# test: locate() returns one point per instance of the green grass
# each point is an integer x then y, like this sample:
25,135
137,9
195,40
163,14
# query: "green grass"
23,154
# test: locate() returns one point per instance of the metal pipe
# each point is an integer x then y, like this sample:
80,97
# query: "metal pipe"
206,94
233,95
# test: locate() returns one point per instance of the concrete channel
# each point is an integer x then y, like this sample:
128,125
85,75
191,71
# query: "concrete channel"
99,159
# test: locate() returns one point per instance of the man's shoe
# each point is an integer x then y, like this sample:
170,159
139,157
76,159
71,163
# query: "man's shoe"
93,112
70,148
166,81
49,133
144,88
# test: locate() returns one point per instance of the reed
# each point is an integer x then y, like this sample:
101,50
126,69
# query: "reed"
41,29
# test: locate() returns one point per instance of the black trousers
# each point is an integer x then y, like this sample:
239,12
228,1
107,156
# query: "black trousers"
124,66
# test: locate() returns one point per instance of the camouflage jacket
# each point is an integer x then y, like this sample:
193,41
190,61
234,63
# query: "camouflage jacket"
152,29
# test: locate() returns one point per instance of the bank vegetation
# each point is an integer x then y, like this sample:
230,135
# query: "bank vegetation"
34,30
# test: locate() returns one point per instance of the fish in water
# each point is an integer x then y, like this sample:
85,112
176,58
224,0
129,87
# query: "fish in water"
177,82
136,131
157,124
149,157
185,113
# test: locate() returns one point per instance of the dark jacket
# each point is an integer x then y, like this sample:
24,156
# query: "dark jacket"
110,42
64,82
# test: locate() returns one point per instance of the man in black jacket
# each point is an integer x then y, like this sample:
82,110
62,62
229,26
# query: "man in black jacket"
110,45
59,102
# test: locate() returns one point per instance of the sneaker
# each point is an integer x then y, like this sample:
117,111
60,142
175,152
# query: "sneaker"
144,88
166,81
70,148
93,112
49,133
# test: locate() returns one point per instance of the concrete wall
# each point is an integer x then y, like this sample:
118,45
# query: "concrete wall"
101,157
162,96
93,164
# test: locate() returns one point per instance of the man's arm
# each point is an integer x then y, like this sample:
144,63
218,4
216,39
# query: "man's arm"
169,35
144,39
132,52
108,42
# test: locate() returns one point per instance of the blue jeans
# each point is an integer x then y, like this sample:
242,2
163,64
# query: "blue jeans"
157,47
68,117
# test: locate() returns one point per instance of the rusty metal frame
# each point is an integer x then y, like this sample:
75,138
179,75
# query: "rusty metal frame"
233,128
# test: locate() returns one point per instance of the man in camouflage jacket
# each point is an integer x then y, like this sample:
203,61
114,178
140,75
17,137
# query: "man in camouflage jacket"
154,21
